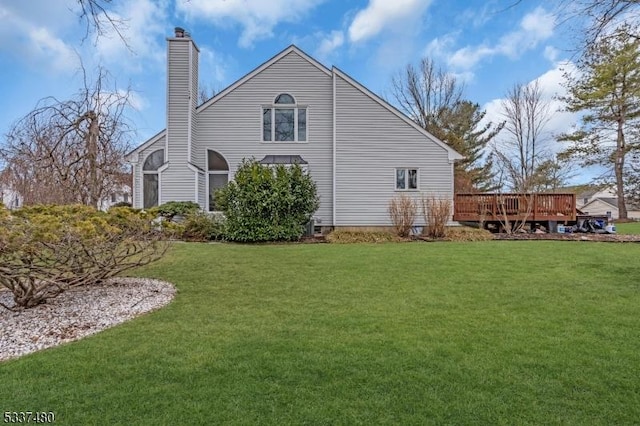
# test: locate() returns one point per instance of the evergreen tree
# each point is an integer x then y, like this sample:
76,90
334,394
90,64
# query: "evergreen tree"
607,91
460,128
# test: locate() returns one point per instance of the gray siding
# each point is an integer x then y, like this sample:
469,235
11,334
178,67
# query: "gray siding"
232,125
371,142
178,181
137,170
202,190
194,99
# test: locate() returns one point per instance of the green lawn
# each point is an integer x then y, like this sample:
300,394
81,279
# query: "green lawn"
498,332
628,228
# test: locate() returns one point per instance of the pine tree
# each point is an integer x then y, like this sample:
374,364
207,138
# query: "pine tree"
460,128
607,91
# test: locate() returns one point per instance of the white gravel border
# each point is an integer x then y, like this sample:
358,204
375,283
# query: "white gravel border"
78,313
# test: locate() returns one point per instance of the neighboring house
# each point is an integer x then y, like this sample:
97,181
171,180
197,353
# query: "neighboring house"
13,200
603,201
10,198
121,195
360,151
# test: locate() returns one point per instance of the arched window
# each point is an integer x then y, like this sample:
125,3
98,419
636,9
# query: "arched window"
151,178
284,121
285,98
218,171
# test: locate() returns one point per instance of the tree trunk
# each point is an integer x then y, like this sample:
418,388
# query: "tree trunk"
92,154
619,171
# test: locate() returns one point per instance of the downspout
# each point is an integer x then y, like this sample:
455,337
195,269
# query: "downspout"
333,75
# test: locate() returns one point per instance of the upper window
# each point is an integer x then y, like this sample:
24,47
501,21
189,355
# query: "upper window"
284,121
406,179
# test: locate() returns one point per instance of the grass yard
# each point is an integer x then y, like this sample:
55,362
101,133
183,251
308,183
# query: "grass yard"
497,332
628,228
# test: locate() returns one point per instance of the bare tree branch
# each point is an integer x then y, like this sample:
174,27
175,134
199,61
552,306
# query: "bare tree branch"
70,151
100,21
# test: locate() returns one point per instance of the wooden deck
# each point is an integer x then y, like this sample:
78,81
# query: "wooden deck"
515,207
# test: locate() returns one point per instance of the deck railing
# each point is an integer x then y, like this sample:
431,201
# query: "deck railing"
514,206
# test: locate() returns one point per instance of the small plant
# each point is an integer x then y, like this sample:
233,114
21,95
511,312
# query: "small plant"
436,212
201,226
402,211
121,204
176,208
465,233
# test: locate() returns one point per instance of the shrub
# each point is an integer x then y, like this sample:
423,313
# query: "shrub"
175,208
436,212
201,226
402,211
46,250
349,237
267,204
465,233
121,204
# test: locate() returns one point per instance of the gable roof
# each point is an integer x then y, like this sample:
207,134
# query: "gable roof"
453,155
153,139
291,49
612,202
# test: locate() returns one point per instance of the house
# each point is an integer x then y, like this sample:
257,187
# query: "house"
10,198
360,151
122,194
603,201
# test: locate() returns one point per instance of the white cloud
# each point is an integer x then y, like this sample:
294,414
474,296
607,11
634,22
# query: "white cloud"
384,14
551,54
535,27
136,101
329,44
46,46
257,17
33,41
441,46
212,68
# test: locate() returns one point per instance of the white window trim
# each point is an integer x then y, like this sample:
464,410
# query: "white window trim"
295,107
213,172
158,172
406,169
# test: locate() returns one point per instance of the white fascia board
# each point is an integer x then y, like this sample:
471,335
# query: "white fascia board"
130,155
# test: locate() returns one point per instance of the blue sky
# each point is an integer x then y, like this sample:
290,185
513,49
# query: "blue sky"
487,44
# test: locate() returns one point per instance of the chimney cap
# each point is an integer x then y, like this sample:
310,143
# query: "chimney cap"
180,32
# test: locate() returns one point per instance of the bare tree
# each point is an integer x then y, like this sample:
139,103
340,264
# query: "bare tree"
70,151
595,18
524,146
433,99
205,93
425,93
99,20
